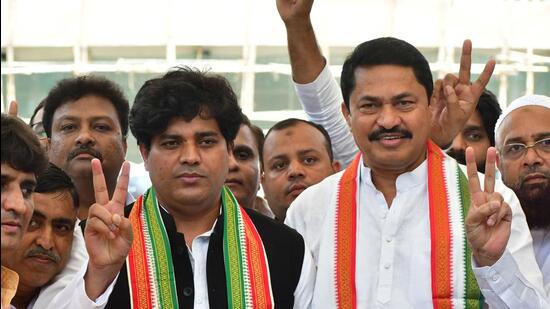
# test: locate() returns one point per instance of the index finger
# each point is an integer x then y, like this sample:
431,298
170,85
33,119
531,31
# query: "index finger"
471,168
465,63
489,183
100,187
121,189
12,110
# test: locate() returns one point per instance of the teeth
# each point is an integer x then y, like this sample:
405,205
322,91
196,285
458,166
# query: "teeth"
391,137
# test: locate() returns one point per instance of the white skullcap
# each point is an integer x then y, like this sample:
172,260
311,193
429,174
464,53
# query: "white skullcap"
528,100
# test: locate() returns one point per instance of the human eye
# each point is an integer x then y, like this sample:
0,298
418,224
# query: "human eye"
63,228
513,149
310,160
368,106
404,104
169,144
278,165
33,224
27,191
545,143
67,127
473,136
208,141
242,154
102,127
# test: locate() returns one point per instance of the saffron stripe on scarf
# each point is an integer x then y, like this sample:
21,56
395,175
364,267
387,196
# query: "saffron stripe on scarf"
346,231
439,229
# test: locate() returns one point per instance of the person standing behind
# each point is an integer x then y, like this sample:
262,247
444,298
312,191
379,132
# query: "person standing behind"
46,246
523,143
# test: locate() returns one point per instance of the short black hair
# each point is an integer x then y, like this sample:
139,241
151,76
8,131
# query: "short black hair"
256,131
381,51
291,122
72,89
489,110
54,179
184,93
21,148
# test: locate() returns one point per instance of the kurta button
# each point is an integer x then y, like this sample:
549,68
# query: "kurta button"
387,266
187,291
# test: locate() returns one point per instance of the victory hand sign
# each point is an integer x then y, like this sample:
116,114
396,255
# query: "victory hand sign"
454,99
108,233
489,220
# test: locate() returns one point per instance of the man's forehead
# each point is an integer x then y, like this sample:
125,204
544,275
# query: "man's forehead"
525,123
54,204
11,173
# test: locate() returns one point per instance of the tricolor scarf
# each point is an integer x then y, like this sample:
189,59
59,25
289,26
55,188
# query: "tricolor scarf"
453,281
150,267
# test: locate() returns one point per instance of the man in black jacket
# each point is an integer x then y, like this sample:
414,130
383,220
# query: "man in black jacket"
194,246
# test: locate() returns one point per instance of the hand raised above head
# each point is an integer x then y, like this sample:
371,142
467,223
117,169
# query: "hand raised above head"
489,219
294,10
455,98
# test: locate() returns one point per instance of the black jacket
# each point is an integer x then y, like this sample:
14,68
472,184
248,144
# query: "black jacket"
285,253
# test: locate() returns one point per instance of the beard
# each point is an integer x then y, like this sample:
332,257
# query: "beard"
535,200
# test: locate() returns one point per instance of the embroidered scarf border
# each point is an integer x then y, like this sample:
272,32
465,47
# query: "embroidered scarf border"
150,269
453,281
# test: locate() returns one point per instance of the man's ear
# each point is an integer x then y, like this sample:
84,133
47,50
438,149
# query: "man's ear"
347,114
336,166
144,154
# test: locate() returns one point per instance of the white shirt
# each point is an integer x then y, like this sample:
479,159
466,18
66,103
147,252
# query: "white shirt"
541,244
321,101
393,247
198,255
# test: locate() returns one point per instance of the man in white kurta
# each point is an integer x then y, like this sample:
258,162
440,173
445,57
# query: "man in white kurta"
524,162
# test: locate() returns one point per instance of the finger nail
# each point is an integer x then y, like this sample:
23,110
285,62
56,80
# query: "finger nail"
490,222
494,205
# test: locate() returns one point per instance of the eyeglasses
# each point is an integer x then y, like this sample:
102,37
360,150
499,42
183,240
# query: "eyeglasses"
515,151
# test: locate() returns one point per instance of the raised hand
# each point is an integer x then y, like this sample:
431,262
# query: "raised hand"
294,10
489,220
455,98
108,233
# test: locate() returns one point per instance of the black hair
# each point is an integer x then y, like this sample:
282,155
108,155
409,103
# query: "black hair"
54,179
21,148
383,51
72,89
184,93
489,110
291,122
36,110
256,131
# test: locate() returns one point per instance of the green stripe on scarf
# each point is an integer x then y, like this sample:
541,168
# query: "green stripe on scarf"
232,253
473,297
163,255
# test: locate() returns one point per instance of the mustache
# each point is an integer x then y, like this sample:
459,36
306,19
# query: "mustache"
87,150
532,169
375,135
39,251
10,215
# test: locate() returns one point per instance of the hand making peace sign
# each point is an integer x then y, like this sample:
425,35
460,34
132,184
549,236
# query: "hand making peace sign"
454,99
489,220
108,234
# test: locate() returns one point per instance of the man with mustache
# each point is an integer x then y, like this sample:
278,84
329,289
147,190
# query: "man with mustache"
296,154
22,160
402,226
46,246
86,117
244,168
523,143
193,244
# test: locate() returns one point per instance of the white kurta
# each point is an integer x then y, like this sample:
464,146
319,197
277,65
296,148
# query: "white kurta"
393,247
541,244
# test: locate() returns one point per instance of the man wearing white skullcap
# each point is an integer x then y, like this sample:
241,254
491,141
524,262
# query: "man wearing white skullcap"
522,136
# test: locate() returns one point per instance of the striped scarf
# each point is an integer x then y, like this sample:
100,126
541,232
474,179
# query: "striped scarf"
151,277
453,281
